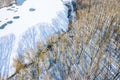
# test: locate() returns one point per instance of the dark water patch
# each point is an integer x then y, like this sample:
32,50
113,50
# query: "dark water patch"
10,22
16,17
13,7
9,9
3,26
16,11
31,9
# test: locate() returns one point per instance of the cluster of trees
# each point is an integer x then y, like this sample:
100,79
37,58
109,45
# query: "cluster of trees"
4,3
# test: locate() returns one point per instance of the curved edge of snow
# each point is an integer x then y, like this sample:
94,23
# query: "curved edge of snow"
12,45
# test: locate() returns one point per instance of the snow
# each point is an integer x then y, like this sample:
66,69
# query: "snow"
27,24
40,15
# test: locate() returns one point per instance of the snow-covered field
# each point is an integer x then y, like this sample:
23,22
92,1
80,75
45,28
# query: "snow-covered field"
21,27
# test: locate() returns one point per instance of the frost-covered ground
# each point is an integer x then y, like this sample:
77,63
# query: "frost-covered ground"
21,27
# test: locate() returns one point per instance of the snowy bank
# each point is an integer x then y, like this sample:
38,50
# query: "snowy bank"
21,27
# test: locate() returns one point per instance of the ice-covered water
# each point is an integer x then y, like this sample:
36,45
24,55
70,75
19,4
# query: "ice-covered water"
19,2
21,27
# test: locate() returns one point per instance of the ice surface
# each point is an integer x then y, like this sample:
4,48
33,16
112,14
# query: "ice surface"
21,27
19,2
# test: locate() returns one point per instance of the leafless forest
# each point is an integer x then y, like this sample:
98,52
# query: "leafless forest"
90,50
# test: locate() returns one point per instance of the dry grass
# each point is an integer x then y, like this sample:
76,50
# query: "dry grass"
89,51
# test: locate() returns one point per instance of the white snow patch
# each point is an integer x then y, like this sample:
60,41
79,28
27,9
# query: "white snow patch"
46,18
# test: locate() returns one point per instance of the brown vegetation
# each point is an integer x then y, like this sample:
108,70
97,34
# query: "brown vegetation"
5,3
